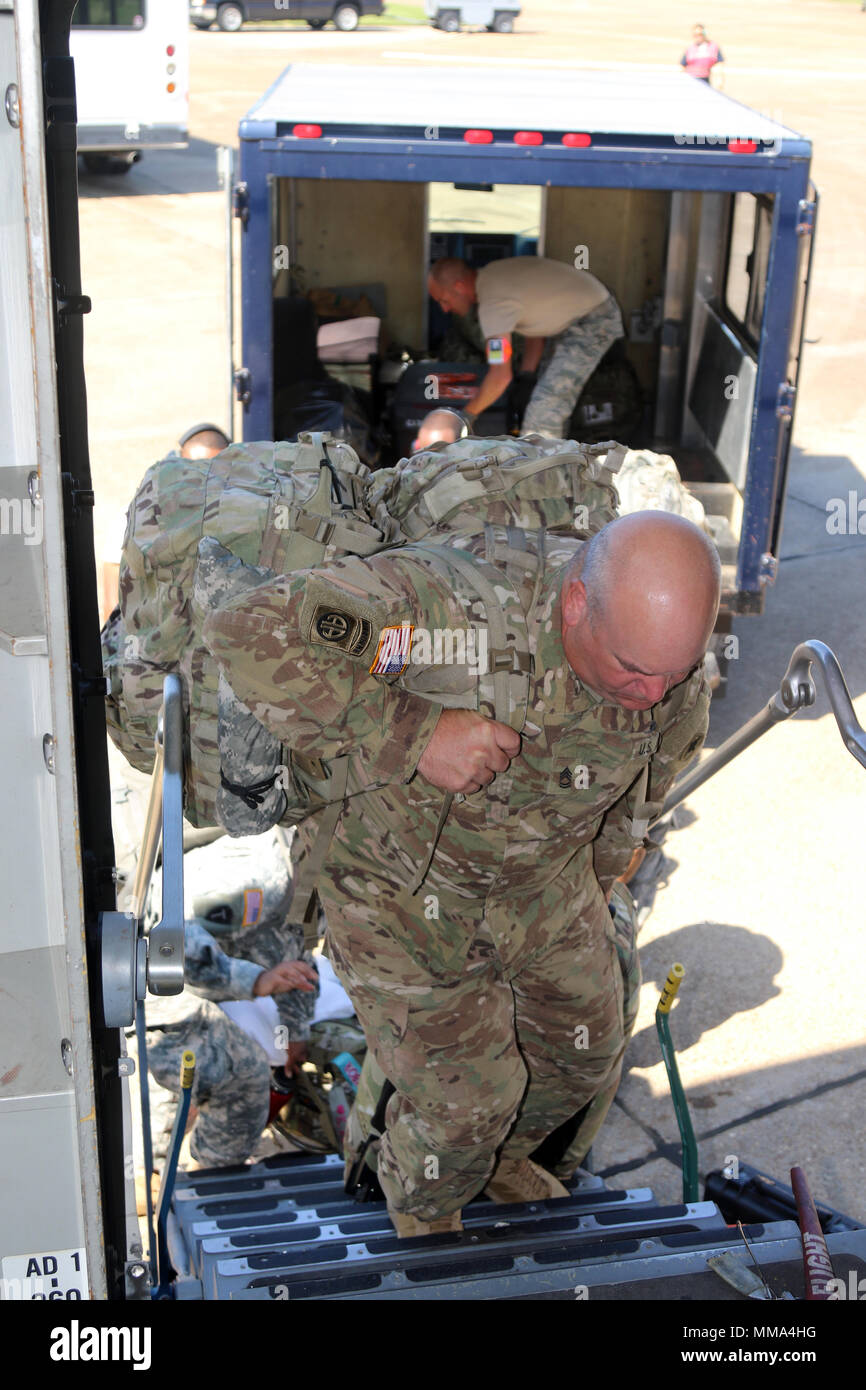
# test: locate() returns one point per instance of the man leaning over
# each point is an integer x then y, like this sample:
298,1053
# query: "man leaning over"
568,320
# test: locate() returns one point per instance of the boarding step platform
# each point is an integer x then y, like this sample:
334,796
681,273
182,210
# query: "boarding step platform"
283,1229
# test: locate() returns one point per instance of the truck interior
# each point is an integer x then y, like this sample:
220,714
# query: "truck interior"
688,270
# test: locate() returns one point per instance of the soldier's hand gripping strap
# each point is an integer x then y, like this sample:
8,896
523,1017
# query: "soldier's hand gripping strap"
506,660
361,1182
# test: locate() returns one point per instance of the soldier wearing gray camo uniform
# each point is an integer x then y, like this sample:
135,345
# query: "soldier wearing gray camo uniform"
498,997
238,946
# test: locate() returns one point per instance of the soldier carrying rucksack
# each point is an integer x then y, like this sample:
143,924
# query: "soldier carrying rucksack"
493,999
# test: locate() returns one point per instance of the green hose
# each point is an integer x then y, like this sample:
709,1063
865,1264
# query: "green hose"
678,1095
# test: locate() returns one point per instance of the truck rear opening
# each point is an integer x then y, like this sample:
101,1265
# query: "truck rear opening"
691,208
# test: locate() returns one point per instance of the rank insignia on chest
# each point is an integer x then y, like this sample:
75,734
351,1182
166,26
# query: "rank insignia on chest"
577,777
392,655
340,629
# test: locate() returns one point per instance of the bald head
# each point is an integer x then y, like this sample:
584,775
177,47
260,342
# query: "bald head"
448,270
638,606
203,443
451,283
440,425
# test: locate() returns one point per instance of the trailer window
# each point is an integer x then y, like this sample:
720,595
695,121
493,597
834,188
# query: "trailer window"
474,213
478,224
109,14
748,258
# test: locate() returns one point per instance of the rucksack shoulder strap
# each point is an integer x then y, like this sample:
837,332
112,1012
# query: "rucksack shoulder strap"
510,663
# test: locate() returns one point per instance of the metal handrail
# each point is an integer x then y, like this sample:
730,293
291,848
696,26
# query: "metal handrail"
165,956
165,943
796,692
164,820
152,832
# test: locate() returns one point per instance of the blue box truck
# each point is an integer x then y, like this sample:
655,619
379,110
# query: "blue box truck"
697,212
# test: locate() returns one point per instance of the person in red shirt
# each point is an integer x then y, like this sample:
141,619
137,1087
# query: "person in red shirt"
701,55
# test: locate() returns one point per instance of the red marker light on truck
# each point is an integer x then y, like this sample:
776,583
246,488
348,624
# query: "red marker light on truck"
742,146
576,140
307,132
478,137
528,137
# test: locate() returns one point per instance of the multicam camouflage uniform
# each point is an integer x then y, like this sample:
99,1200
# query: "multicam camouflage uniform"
240,892
493,998
568,361
565,1148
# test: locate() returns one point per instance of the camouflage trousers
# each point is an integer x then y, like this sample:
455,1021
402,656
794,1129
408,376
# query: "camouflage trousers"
486,1063
232,1086
579,1142
568,361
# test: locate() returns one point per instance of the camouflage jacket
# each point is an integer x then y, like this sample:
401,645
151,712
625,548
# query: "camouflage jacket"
238,894
212,973
522,850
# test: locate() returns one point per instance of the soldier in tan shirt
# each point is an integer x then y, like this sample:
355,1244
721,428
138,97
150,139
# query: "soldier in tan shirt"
567,318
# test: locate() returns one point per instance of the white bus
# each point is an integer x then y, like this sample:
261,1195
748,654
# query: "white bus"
132,79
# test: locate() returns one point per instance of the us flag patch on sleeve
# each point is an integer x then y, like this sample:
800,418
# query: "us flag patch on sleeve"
392,655
254,901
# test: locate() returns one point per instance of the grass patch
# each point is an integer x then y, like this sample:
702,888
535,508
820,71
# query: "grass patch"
395,14
406,14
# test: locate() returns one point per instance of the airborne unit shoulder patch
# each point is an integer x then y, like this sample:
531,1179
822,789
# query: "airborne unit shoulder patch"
337,628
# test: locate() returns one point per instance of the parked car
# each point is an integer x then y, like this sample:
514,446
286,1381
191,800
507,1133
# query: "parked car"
232,14
496,15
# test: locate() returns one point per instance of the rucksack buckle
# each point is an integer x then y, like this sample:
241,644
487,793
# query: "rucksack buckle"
500,660
314,528
486,473
317,437
510,660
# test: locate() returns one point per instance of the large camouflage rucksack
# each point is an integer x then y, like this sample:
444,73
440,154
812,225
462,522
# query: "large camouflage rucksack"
202,532
199,531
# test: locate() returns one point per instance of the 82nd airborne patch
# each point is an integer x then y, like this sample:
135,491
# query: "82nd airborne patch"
339,629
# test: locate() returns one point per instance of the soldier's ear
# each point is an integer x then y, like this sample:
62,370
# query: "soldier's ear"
574,602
